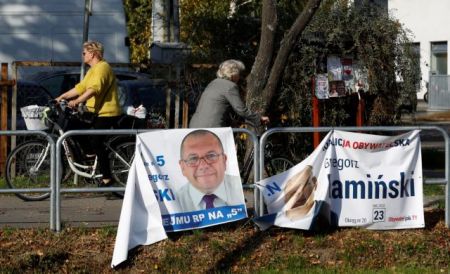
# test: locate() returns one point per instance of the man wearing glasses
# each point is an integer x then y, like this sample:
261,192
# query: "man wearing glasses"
203,163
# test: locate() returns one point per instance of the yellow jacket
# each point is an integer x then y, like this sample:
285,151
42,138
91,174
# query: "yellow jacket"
102,80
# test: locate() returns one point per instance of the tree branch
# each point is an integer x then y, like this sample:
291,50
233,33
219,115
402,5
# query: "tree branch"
285,49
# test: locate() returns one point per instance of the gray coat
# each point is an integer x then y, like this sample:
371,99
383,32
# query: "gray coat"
216,103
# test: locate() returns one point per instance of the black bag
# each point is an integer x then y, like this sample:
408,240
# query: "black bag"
87,117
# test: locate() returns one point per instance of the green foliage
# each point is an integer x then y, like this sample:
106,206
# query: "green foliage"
215,35
378,44
365,34
138,14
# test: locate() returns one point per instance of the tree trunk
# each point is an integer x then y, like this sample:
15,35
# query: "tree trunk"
260,91
286,46
256,80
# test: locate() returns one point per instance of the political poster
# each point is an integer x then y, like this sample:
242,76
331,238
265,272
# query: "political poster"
361,79
322,90
351,179
188,165
334,68
180,179
140,219
347,69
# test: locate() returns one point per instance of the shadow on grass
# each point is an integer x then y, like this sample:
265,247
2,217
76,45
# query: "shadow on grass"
433,217
181,257
253,242
246,247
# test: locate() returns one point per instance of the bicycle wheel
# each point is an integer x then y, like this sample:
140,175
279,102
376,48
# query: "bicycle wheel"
277,165
120,162
28,166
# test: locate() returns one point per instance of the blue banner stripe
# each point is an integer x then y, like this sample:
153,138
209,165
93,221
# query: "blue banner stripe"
203,218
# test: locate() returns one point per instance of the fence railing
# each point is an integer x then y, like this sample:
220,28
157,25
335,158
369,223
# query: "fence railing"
258,166
53,183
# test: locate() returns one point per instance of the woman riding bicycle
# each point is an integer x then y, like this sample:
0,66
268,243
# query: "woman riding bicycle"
98,90
220,97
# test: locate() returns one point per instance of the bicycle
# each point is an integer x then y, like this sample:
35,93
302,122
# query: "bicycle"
28,165
273,164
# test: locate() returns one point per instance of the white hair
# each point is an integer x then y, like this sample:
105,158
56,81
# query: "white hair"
229,68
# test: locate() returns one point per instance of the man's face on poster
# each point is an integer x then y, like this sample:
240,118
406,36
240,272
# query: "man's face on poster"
203,162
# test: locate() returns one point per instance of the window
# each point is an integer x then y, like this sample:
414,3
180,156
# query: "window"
60,83
438,63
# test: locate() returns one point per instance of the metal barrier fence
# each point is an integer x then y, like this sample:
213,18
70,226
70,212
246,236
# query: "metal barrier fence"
267,134
53,165
258,162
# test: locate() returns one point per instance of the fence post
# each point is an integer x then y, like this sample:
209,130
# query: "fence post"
315,113
360,111
4,84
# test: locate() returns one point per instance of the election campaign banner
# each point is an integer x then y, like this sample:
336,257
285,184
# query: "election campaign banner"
187,165
180,179
140,220
351,179
322,87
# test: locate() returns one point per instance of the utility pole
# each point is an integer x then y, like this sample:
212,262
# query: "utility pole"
87,14
160,21
166,33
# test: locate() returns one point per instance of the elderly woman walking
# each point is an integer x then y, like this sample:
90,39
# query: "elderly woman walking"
220,97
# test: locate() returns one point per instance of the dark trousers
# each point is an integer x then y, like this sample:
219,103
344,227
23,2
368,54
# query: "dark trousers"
98,143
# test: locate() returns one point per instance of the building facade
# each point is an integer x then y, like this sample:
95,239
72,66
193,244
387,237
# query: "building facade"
429,24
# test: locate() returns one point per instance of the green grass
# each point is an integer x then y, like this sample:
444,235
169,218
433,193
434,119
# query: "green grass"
433,190
233,248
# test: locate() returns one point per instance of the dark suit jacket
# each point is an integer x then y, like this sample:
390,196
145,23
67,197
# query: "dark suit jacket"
215,105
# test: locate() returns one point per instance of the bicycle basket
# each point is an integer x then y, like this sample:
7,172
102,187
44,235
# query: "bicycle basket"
33,117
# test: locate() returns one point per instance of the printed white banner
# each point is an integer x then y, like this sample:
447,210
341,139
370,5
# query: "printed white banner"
140,220
180,179
350,179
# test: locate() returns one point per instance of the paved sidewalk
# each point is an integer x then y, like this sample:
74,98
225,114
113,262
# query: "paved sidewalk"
88,210
92,211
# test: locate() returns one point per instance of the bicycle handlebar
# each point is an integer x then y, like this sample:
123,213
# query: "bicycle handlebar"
59,113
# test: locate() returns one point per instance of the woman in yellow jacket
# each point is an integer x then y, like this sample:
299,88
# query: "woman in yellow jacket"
98,90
